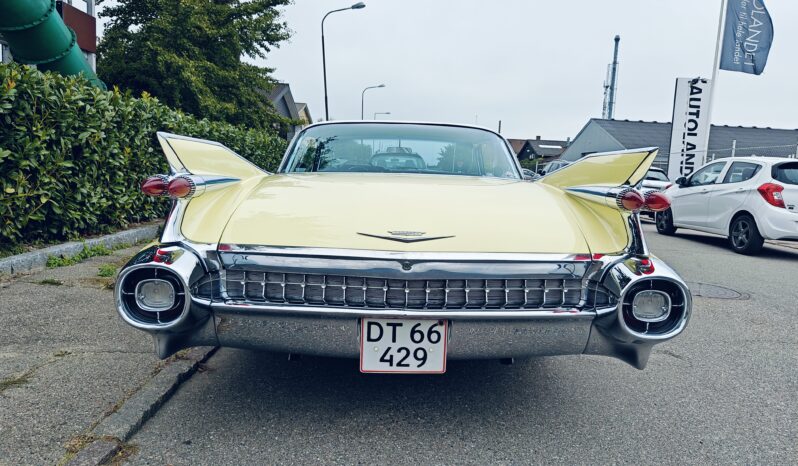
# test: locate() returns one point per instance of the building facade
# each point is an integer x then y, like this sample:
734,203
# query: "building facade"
600,135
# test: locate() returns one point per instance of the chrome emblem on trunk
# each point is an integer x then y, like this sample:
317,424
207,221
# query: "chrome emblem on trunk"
404,236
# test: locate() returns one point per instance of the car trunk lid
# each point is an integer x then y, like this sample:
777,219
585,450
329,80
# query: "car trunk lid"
406,212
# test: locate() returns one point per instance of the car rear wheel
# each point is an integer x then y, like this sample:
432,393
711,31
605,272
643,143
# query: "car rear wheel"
664,221
744,236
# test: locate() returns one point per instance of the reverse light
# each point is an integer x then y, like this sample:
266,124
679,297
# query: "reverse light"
155,185
771,192
155,295
630,200
181,186
657,201
651,306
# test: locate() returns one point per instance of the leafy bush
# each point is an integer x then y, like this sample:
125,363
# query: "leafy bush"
72,156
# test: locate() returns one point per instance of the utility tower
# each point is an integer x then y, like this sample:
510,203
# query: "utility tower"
610,84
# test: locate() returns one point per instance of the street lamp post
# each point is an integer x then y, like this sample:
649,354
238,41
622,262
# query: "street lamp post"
380,113
363,98
356,6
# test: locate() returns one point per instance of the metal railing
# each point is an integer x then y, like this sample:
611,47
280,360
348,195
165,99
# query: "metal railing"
788,150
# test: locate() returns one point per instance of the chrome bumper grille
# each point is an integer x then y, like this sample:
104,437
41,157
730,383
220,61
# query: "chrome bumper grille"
353,291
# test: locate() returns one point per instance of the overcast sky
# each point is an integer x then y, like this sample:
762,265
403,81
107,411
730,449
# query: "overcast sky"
536,65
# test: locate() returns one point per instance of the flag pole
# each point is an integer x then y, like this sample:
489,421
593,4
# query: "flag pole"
712,83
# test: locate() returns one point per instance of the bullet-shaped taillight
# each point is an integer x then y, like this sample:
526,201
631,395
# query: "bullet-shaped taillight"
657,201
155,185
630,200
181,186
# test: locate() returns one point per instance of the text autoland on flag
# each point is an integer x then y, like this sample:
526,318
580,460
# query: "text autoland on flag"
747,37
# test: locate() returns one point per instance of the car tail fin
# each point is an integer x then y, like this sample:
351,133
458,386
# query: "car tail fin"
609,179
624,168
205,158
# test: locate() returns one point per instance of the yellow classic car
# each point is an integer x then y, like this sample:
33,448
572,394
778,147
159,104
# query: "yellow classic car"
402,245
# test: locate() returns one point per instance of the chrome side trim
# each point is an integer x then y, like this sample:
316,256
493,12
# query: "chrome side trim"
637,242
171,228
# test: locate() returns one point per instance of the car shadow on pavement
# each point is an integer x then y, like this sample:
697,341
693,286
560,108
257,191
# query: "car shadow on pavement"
769,251
331,387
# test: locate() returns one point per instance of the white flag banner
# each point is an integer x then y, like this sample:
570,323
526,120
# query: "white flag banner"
690,126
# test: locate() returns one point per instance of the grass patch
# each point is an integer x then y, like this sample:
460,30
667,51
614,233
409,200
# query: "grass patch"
51,281
87,253
13,382
106,270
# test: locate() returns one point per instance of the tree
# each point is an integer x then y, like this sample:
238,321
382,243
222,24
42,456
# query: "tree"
190,55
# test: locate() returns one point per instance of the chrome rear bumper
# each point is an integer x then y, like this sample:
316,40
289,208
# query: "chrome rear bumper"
339,335
472,333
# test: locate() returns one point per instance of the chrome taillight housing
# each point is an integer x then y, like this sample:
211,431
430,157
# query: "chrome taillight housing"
183,186
654,308
152,297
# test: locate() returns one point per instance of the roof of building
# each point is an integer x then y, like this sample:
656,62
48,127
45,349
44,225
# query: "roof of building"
302,109
283,101
633,134
539,147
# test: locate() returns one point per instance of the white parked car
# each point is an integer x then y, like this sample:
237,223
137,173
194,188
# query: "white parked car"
656,180
747,199
553,166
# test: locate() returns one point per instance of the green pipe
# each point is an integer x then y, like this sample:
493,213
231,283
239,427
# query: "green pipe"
37,35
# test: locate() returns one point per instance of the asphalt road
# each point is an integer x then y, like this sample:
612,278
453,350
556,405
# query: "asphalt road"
726,391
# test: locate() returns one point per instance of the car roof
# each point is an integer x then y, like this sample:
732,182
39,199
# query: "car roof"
756,159
401,122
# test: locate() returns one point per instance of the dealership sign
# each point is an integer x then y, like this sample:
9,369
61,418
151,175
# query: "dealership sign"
690,124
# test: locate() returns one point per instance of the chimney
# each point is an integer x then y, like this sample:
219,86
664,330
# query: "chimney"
537,138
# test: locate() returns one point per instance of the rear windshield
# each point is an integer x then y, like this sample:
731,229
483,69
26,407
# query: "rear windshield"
656,175
786,173
401,148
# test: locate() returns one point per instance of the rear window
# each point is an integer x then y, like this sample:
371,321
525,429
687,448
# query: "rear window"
786,173
656,175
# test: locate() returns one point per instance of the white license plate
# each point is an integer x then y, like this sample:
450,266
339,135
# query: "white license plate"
403,346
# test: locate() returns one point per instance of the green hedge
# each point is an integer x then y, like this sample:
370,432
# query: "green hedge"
72,156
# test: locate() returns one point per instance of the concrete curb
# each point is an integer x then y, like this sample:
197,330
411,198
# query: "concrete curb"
96,453
784,244
129,418
37,260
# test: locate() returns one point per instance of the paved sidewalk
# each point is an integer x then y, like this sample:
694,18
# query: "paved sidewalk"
66,359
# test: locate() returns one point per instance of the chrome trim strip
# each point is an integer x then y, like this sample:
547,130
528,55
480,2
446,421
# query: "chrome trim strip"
171,228
398,255
399,313
402,269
